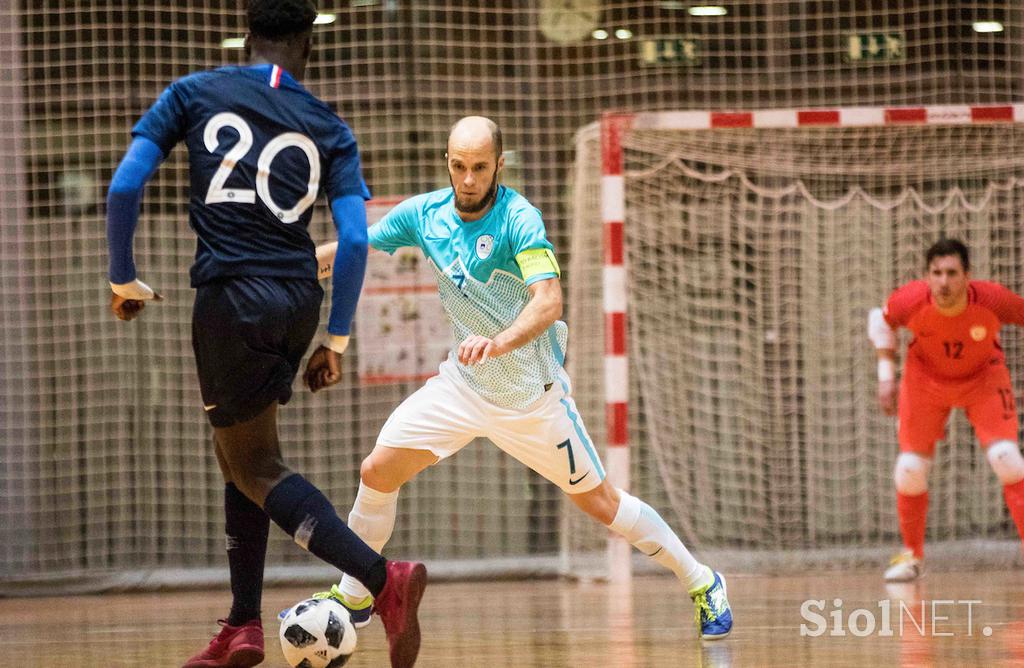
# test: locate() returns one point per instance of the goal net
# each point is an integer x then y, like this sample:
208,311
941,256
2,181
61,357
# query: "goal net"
753,255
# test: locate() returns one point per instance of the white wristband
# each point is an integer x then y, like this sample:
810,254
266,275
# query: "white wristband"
134,290
336,343
325,260
886,370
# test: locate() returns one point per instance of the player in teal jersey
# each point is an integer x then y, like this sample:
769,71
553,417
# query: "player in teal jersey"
499,283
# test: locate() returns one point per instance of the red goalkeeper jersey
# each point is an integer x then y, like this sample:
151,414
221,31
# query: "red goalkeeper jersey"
954,347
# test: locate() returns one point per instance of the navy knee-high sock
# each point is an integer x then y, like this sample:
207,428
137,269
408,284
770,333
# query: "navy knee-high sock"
308,517
245,527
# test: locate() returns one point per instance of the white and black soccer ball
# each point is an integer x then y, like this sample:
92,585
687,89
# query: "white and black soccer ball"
317,633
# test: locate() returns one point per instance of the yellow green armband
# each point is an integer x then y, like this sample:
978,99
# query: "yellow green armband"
537,261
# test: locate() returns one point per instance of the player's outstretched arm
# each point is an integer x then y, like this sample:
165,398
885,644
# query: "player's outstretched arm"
349,213
888,390
884,339
349,267
129,294
543,309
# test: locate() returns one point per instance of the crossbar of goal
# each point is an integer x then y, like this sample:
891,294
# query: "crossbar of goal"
614,128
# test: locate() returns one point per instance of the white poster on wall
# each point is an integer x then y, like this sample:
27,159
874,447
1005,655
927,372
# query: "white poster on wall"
401,327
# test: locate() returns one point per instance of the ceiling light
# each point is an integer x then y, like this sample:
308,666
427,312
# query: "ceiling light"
708,10
324,19
599,34
233,43
987,26
623,33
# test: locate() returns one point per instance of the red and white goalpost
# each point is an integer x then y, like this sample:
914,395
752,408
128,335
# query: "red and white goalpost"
743,192
615,289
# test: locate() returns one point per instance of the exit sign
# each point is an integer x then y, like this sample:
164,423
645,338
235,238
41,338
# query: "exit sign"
875,47
670,51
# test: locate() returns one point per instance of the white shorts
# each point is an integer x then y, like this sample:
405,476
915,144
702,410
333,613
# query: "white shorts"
446,414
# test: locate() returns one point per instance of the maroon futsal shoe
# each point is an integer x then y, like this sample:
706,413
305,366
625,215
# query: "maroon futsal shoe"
397,606
234,647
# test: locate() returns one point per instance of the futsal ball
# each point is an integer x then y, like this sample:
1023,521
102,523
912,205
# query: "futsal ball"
317,633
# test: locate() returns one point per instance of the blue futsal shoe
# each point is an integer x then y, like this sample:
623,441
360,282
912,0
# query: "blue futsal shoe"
360,614
711,609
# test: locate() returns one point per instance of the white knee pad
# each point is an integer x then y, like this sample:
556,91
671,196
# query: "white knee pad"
1006,461
911,474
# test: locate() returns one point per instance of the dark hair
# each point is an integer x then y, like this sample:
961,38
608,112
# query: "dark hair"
944,247
279,20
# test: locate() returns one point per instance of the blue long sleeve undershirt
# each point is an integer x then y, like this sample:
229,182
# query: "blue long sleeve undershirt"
349,213
123,199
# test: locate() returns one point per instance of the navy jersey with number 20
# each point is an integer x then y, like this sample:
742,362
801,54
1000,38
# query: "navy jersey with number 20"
261,150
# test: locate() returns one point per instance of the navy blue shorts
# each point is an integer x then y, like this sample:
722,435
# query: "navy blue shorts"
249,336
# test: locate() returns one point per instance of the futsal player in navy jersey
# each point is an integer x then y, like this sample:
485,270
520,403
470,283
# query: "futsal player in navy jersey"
261,151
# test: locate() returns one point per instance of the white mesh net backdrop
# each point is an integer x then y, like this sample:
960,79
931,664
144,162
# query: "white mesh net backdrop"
753,257
106,467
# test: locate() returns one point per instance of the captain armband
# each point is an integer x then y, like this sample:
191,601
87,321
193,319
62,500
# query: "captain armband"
879,331
537,261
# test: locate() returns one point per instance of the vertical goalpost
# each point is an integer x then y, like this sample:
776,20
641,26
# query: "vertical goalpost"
614,130
614,282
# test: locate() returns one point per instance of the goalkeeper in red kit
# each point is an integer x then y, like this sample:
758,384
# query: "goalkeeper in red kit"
953,361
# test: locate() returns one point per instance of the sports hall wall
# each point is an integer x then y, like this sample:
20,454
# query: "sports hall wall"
105,459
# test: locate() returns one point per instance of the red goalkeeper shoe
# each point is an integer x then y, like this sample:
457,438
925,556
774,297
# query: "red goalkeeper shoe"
234,647
397,606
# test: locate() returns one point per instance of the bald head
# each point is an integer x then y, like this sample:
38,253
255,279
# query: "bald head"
474,133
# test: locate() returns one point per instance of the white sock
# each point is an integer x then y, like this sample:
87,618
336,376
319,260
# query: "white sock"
372,519
643,527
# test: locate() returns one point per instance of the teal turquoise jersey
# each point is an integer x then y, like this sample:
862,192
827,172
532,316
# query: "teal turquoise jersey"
481,285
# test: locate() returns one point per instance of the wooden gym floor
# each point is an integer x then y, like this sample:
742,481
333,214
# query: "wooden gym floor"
549,624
